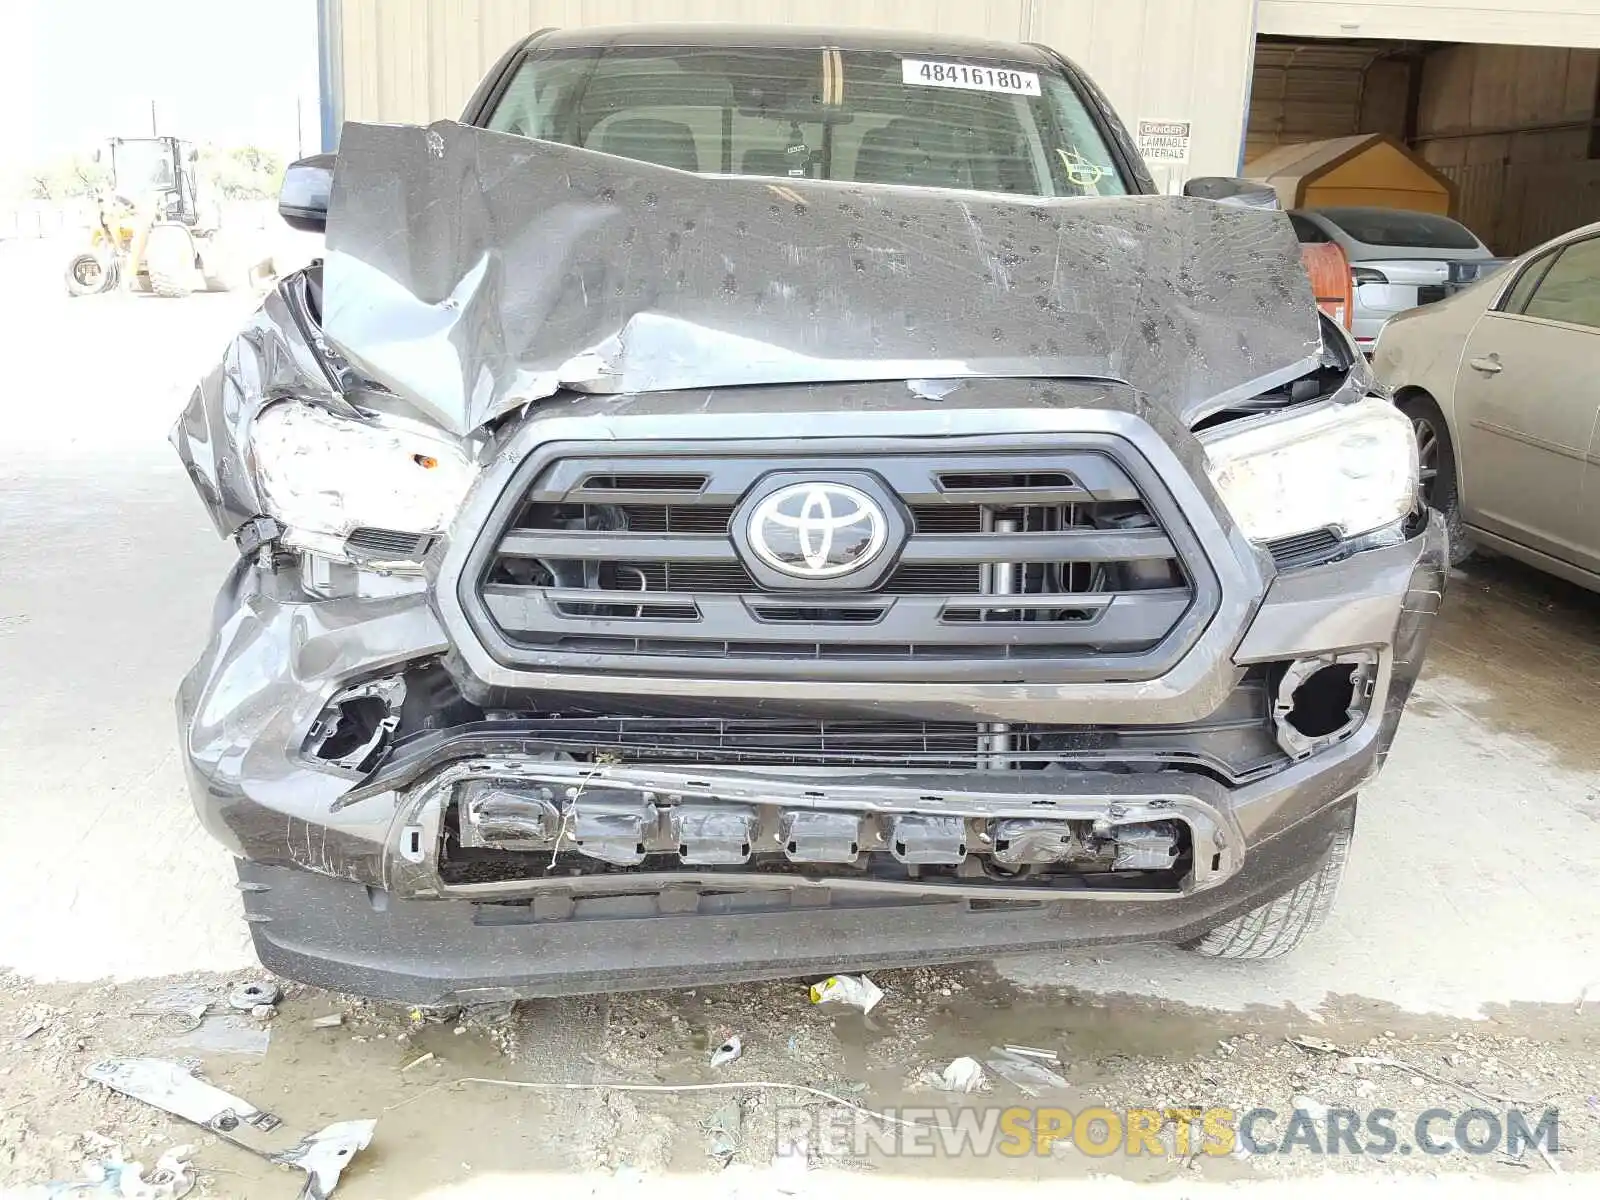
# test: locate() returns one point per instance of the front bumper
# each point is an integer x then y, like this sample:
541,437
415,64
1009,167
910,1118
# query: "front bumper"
341,890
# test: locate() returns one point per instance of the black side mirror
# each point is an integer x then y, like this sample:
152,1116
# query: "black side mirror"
303,198
1227,190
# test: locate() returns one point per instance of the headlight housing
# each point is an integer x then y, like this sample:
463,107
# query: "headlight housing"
322,476
1350,467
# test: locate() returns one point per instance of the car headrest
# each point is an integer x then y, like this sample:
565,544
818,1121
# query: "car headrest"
651,140
764,162
912,150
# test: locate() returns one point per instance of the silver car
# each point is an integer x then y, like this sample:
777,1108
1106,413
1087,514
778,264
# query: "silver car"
1499,382
1398,259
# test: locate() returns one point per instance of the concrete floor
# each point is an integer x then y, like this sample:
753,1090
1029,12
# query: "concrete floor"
1471,889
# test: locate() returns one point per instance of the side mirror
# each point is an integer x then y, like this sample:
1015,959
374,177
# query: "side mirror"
303,198
1227,190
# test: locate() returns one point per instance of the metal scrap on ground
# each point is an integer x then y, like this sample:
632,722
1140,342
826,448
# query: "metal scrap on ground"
322,1154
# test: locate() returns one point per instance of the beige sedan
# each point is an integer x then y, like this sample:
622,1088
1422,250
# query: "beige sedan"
1502,383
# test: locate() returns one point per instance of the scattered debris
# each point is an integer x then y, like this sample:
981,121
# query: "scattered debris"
963,1075
724,1131
1318,1044
322,1155
28,1030
1022,1072
263,1012
1311,1106
181,1010
112,1175
727,1052
851,991
247,997
439,1015
1049,1056
417,1062
330,1021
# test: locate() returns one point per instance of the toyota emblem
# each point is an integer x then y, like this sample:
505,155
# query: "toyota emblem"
817,530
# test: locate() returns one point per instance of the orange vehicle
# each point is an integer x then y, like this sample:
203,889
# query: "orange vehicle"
1330,279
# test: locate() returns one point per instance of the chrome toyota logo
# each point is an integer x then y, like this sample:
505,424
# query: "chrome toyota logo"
817,530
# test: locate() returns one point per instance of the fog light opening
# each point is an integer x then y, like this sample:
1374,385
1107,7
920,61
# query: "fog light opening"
358,724
1322,701
1321,705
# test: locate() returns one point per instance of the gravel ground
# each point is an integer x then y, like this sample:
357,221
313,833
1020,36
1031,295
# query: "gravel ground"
1114,1052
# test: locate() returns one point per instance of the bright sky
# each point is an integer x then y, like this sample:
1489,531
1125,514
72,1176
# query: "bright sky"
76,72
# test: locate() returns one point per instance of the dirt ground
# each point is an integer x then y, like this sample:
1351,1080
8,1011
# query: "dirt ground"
407,1069
1465,944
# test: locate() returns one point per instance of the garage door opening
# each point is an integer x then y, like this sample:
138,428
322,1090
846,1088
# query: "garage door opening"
1514,130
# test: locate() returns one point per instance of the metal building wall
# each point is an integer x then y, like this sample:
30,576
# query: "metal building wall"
418,60
1507,22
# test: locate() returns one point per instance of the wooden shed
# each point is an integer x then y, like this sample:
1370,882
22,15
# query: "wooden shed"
1369,169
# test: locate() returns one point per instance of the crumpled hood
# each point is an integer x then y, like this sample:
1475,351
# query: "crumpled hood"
471,272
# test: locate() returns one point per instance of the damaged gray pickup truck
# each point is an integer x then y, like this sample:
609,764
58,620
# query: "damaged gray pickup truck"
750,503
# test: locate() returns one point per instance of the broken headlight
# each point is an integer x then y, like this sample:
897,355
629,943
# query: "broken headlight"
322,476
1346,467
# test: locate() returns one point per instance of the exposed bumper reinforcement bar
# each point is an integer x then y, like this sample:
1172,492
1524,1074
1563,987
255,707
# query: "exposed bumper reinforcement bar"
346,937
618,814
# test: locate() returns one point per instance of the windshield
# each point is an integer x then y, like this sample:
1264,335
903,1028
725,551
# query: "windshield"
1396,227
865,116
143,165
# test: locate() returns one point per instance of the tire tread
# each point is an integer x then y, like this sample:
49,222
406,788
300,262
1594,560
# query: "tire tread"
1277,927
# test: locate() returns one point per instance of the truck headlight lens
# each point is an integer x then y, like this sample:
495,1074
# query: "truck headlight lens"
322,475
1349,467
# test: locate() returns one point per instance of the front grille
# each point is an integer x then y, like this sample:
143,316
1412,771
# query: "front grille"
1077,557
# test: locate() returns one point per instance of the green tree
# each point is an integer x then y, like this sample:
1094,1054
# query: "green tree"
243,172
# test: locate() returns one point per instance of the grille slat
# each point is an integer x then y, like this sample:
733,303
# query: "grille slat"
648,566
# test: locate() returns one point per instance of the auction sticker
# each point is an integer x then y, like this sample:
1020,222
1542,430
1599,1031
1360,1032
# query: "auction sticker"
972,78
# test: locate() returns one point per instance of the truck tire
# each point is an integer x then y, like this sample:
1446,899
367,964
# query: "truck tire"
1280,925
87,275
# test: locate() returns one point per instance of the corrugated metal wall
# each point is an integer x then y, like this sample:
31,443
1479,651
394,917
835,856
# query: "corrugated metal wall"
418,60
1514,126
1509,22
1306,92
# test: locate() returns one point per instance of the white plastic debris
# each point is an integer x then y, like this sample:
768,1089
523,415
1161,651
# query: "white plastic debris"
962,1075
1049,1056
727,1052
112,1176
1026,1074
330,1021
852,991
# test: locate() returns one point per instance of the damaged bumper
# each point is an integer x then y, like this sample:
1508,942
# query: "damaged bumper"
487,859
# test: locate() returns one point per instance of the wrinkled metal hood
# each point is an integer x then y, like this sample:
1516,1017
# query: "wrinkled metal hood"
472,272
